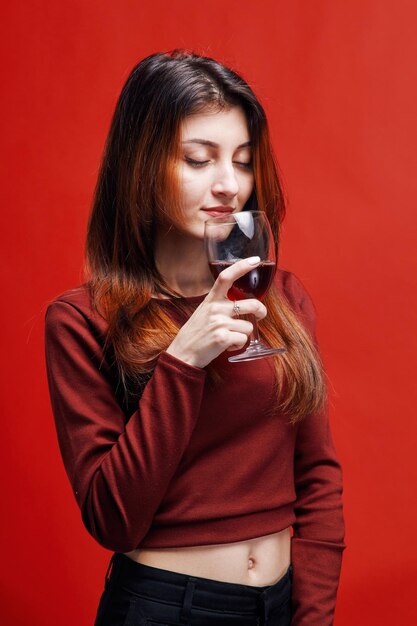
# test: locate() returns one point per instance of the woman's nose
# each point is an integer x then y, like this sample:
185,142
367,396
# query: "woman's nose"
225,181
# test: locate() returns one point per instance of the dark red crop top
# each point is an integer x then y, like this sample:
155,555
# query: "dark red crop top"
191,462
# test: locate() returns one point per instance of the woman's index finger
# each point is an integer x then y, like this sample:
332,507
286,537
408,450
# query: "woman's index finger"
227,277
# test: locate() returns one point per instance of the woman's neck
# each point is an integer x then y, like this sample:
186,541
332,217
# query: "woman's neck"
182,262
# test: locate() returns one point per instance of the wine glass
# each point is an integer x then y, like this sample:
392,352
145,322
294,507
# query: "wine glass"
233,237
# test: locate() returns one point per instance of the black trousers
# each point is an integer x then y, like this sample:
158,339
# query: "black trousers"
140,595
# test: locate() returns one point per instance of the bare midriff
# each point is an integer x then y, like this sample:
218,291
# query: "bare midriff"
258,562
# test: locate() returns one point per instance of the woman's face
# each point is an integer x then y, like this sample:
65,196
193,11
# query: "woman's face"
216,176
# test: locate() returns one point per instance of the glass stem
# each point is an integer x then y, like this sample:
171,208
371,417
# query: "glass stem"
255,333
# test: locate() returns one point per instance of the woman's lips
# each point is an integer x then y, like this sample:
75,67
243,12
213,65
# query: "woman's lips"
219,211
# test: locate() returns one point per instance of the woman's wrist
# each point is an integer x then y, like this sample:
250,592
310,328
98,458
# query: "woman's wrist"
182,355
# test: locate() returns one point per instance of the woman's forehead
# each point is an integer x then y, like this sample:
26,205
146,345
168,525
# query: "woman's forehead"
216,127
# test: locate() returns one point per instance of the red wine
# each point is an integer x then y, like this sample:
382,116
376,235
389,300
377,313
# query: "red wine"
254,284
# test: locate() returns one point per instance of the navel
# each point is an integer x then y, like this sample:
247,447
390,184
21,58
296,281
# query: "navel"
251,563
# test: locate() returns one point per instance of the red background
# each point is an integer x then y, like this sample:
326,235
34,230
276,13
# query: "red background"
338,81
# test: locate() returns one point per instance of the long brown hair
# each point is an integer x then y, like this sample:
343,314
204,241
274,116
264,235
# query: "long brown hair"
138,180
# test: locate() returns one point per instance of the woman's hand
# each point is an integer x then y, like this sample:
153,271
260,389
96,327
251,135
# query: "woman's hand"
212,329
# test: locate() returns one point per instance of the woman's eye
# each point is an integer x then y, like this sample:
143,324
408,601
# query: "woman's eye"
195,163
247,165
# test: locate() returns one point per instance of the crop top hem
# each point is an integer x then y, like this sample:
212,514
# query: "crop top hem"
218,531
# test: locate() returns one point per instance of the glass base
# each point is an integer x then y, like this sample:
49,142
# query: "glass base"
256,350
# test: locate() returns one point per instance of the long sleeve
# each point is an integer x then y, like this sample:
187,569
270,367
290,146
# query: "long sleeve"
119,468
318,540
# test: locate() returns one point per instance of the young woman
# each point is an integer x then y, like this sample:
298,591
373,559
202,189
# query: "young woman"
216,485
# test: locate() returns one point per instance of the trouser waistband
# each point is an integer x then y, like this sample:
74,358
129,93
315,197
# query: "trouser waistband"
186,590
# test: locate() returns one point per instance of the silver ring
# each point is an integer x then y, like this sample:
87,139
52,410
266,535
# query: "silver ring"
236,309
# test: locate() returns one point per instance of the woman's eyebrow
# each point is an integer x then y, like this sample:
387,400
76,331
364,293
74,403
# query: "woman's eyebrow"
206,142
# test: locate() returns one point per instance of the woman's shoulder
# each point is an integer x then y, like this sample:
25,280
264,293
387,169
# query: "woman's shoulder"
76,296
291,286
75,304
295,292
